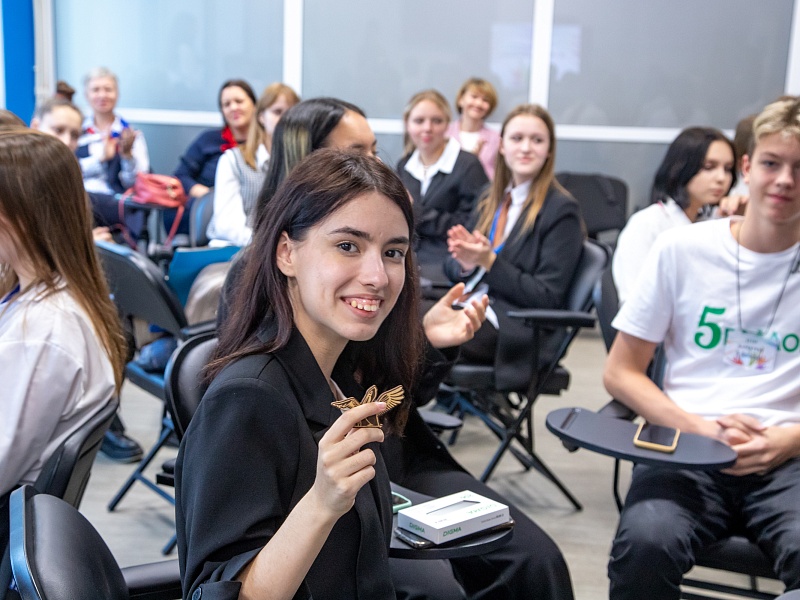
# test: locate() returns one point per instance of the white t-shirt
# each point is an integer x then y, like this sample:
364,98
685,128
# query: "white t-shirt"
55,376
686,298
229,224
636,239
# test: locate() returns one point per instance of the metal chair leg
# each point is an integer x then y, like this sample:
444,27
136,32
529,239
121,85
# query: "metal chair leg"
166,430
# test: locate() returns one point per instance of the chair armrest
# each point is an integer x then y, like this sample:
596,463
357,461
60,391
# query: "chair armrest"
617,410
553,318
154,581
440,421
198,328
614,437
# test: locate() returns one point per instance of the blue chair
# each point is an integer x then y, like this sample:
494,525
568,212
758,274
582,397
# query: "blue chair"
199,217
187,263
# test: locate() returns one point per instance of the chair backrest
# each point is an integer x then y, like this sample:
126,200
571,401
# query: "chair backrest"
594,260
187,263
199,217
183,379
606,303
66,473
56,554
139,289
603,200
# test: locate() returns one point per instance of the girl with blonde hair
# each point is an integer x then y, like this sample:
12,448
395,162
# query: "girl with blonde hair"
526,239
475,101
241,170
443,180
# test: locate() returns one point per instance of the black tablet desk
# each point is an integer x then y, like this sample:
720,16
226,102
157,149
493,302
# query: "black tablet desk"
614,437
472,546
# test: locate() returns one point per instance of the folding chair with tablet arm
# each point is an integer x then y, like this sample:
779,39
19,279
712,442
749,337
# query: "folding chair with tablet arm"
475,384
139,290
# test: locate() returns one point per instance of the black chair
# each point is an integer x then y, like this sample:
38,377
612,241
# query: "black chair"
199,217
735,554
603,200
475,388
66,473
185,387
56,554
184,383
139,291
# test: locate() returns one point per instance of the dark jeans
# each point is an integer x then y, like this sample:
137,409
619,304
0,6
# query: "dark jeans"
105,209
669,515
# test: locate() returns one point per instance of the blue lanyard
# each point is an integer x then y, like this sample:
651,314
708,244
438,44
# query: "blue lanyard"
10,295
494,227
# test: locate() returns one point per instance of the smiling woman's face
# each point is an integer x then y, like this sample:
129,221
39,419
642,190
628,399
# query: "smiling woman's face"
102,94
427,126
237,108
346,274
525,146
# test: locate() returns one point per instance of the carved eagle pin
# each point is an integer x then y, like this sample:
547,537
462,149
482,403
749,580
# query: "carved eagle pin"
392,397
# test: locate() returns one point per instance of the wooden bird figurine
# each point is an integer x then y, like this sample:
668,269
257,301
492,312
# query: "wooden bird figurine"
392,397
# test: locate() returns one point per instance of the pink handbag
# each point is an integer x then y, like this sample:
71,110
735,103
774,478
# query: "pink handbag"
158,190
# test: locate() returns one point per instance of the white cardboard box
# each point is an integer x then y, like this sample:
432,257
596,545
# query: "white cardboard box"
451,517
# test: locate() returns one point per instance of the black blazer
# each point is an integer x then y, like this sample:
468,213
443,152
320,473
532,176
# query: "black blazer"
249,455
448,201
533,270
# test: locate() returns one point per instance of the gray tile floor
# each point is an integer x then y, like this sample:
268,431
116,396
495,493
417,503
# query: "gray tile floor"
143,522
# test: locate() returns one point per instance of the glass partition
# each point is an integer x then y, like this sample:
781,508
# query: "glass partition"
378,54
667,63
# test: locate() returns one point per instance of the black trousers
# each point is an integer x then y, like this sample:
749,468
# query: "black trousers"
669,515
530,566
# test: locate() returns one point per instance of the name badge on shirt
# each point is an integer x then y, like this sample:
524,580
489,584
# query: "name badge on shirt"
751,351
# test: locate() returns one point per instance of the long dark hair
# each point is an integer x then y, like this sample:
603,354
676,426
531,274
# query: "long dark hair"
318,186
683,160
302,130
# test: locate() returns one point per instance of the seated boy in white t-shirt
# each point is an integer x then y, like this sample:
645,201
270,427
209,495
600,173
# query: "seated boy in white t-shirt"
722,297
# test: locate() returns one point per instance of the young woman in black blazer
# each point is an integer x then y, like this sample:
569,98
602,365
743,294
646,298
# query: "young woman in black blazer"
418,460
443,180
276,490
525,243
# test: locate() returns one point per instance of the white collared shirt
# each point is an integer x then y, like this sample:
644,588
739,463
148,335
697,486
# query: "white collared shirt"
55,376
518,196
445,164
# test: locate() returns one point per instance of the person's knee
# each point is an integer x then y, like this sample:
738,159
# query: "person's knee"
649,538
787,559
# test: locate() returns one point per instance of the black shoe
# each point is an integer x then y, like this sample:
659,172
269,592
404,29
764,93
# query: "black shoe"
119,447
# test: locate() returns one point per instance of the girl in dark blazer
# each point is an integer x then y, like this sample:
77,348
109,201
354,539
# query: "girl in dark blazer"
277,491
443,180
526,244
